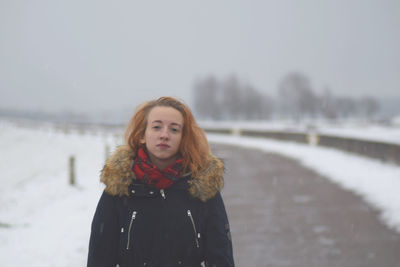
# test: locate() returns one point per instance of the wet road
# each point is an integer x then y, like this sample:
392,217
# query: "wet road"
283,214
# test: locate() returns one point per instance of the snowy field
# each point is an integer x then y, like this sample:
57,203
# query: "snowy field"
45,222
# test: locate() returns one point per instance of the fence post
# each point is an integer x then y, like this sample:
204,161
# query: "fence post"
236,131
72,170
312,139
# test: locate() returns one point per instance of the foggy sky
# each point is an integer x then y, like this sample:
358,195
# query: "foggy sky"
110,55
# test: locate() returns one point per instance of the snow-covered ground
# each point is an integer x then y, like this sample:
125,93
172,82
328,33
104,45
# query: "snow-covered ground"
45,222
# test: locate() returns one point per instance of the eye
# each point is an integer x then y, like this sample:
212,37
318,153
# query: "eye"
156,127
175,129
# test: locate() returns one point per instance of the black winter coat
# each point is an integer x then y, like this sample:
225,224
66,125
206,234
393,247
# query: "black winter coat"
136,225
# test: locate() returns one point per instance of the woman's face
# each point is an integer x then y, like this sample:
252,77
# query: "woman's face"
163,135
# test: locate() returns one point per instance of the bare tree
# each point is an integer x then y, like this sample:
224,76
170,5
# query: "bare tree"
369,106
296,95
252,103
232,97
327,105
345,107
206,98
268,106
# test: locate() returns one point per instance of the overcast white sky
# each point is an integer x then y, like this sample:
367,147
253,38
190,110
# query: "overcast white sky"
85,55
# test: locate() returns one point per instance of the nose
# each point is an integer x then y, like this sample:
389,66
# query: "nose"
164,133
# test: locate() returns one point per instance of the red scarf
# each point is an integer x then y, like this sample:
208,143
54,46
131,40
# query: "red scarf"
149,174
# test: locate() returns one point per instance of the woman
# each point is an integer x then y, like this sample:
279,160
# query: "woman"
161,205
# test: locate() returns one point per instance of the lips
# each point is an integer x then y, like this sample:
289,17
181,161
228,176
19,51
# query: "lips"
163,146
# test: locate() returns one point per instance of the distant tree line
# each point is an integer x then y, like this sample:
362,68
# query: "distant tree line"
232,99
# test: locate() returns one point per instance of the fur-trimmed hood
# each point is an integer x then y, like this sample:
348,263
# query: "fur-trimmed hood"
117,175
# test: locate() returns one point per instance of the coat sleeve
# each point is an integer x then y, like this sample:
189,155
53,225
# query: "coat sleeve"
218,237
104,237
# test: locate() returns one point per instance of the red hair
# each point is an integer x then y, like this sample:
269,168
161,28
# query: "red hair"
194,146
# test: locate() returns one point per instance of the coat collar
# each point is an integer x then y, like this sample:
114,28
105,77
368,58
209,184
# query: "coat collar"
117,175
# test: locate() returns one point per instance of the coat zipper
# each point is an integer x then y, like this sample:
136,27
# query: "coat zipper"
196,235
130,228
162,192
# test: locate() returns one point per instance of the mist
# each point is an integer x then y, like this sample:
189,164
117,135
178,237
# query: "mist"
102,57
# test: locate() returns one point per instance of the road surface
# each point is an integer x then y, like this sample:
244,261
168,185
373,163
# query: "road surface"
283,214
